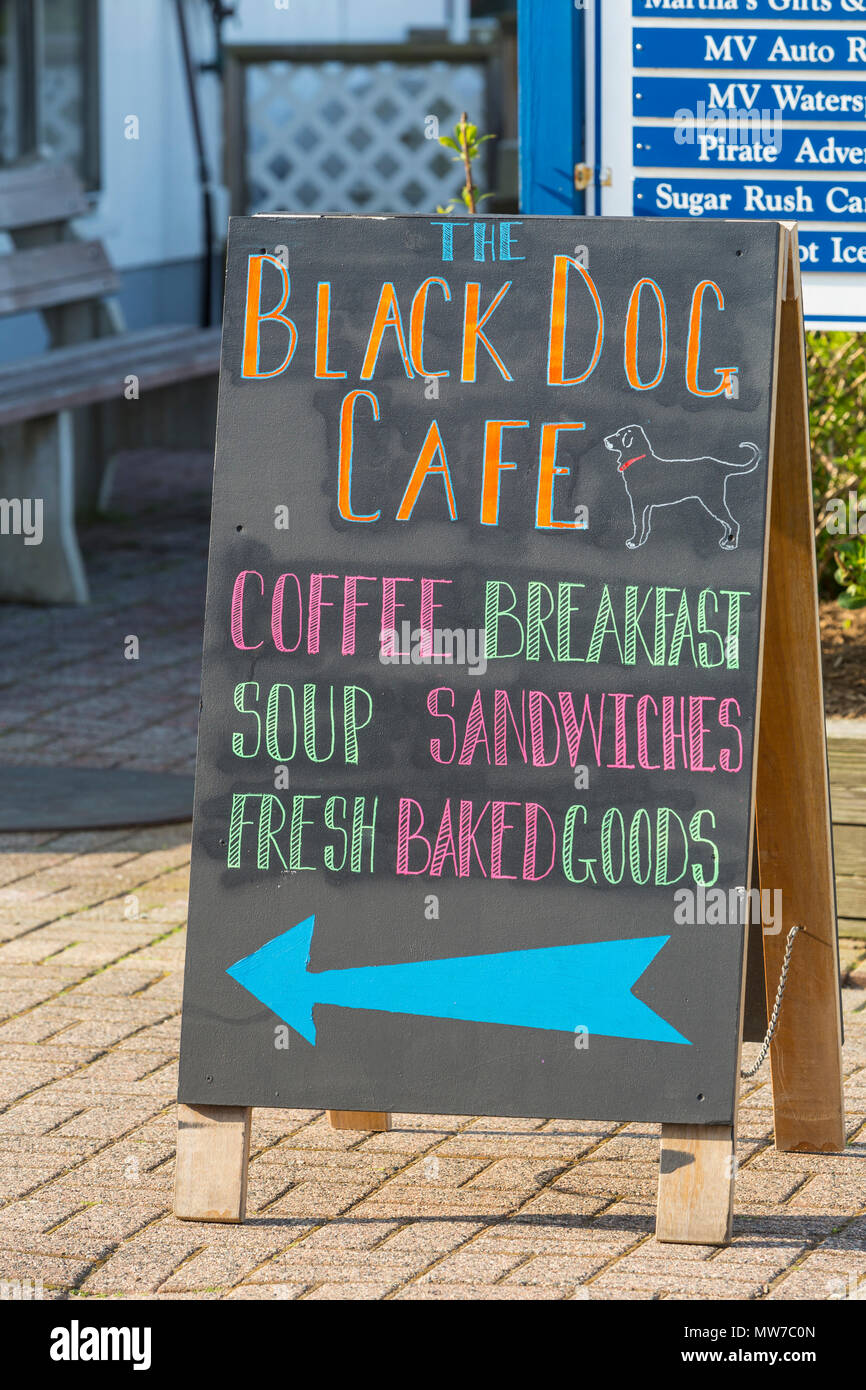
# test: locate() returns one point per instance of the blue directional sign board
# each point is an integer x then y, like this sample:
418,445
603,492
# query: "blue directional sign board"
799,98
842,49
721,147
823,201
832,250
782,11
755,109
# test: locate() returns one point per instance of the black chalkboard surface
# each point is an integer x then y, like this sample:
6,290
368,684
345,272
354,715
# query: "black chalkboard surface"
474,795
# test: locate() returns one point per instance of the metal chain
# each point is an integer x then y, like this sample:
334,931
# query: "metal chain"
777,1007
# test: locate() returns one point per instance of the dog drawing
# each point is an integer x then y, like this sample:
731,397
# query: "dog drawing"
652,482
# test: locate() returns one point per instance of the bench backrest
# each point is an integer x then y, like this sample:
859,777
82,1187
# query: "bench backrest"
35,195
49,268
48,276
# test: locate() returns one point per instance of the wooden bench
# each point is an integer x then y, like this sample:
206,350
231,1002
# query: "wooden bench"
99,389
847,760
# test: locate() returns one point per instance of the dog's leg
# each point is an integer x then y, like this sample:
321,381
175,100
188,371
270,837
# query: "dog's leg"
645,528
632,540
730,524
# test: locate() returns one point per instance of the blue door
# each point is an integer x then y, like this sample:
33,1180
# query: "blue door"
550,37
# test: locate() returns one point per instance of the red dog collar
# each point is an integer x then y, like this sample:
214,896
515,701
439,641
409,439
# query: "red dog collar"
628,463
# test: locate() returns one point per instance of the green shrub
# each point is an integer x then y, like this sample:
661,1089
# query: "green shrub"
837,393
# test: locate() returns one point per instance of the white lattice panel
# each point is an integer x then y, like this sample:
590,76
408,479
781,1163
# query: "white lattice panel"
62,125
350,137
8,98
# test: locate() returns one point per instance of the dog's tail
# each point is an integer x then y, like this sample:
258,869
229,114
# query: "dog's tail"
752,463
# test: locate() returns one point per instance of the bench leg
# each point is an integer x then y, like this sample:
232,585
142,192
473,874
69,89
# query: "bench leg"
106,484
37,478
91,462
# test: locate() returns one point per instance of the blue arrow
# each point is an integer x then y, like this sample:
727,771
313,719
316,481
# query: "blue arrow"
554,987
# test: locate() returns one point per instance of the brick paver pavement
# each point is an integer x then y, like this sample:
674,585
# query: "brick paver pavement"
90,984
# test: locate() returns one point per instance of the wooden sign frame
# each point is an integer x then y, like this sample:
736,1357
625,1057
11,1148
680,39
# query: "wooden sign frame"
791,808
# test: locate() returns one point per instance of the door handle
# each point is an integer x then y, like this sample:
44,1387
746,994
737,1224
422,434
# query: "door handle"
584,177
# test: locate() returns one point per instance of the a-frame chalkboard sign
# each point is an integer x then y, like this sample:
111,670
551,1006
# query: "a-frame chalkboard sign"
511,642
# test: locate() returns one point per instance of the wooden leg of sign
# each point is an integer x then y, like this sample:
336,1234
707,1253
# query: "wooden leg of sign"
696,1184
360,1119
213,1150
794,836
